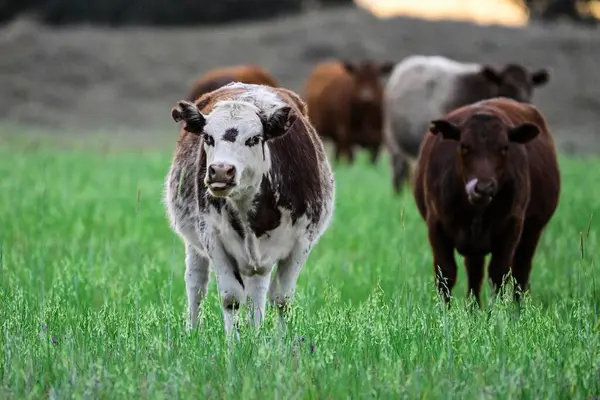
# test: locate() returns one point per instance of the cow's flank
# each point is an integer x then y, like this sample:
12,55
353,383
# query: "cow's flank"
487,181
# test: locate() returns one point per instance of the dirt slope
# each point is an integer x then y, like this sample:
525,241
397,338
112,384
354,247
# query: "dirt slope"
87,78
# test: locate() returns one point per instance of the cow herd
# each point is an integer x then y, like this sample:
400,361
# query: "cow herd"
251,186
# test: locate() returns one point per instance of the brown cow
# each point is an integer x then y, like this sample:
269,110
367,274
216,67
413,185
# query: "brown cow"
219,77
344,103
487,181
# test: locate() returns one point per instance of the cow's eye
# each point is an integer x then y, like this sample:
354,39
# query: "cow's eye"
504,151
209,140
253,141
464,150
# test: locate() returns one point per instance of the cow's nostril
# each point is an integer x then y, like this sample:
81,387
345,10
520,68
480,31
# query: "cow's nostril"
211,171
230,171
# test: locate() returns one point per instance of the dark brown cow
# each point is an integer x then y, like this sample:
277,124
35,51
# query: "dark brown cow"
344,103
487,181
219,77
422,88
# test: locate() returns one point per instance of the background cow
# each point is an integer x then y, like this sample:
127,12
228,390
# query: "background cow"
344,103
218,77
250,186
487,180
422,88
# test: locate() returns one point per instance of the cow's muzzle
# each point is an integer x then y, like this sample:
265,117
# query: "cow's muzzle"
220,179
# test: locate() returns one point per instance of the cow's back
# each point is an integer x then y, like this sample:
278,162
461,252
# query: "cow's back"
417,92
219,77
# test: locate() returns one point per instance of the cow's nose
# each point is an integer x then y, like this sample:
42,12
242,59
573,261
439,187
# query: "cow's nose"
485,188
221,172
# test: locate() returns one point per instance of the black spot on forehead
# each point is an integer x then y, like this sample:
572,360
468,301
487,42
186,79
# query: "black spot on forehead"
230,134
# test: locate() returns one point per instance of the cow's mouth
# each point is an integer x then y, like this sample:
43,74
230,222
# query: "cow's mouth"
220,189
479,200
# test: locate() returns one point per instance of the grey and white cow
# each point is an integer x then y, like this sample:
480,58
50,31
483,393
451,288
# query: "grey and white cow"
249,187
422,88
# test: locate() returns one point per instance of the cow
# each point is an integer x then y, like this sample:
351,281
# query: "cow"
249,186
344,104
218,77
422,88
487,180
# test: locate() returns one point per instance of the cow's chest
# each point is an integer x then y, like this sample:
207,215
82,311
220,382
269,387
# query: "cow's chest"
473,237
255,254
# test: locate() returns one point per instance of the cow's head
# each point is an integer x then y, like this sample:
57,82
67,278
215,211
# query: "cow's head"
484,147
515,81
234,135
368,90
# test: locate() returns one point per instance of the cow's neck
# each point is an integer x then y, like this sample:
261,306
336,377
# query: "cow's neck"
243,205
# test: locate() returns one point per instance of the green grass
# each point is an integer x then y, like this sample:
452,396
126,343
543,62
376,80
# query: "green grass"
92,297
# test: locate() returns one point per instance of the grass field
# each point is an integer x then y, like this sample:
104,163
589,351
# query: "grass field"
92,297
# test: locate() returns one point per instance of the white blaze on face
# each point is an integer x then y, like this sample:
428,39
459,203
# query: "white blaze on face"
236,129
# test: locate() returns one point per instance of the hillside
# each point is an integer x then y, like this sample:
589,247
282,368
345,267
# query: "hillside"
98,78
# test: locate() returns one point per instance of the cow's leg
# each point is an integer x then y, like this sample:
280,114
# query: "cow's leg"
374,150
400,170
257,287
231,287
338,151
444,264
344,146
503,252
196,281
522,260
283,285
475,270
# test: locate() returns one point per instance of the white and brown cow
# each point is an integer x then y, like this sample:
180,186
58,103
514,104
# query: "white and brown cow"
249,187
423,88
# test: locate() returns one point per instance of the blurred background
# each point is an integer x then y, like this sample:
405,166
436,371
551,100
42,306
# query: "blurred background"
116,67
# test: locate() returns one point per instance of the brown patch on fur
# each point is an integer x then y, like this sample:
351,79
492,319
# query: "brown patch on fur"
345,104
527,180
219,77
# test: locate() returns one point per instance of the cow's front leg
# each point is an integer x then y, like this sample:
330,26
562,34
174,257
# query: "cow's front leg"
229,282
503,251
196,281
257,287
283,285
444,264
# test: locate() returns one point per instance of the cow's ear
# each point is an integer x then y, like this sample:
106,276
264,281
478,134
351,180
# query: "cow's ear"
540,77
188,112
491,74
386,67
445,128
348,66
279,123
523,133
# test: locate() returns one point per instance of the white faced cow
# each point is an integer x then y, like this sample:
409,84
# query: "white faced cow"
423,88
250,186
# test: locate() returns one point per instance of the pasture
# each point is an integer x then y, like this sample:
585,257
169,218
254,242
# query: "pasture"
92,296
